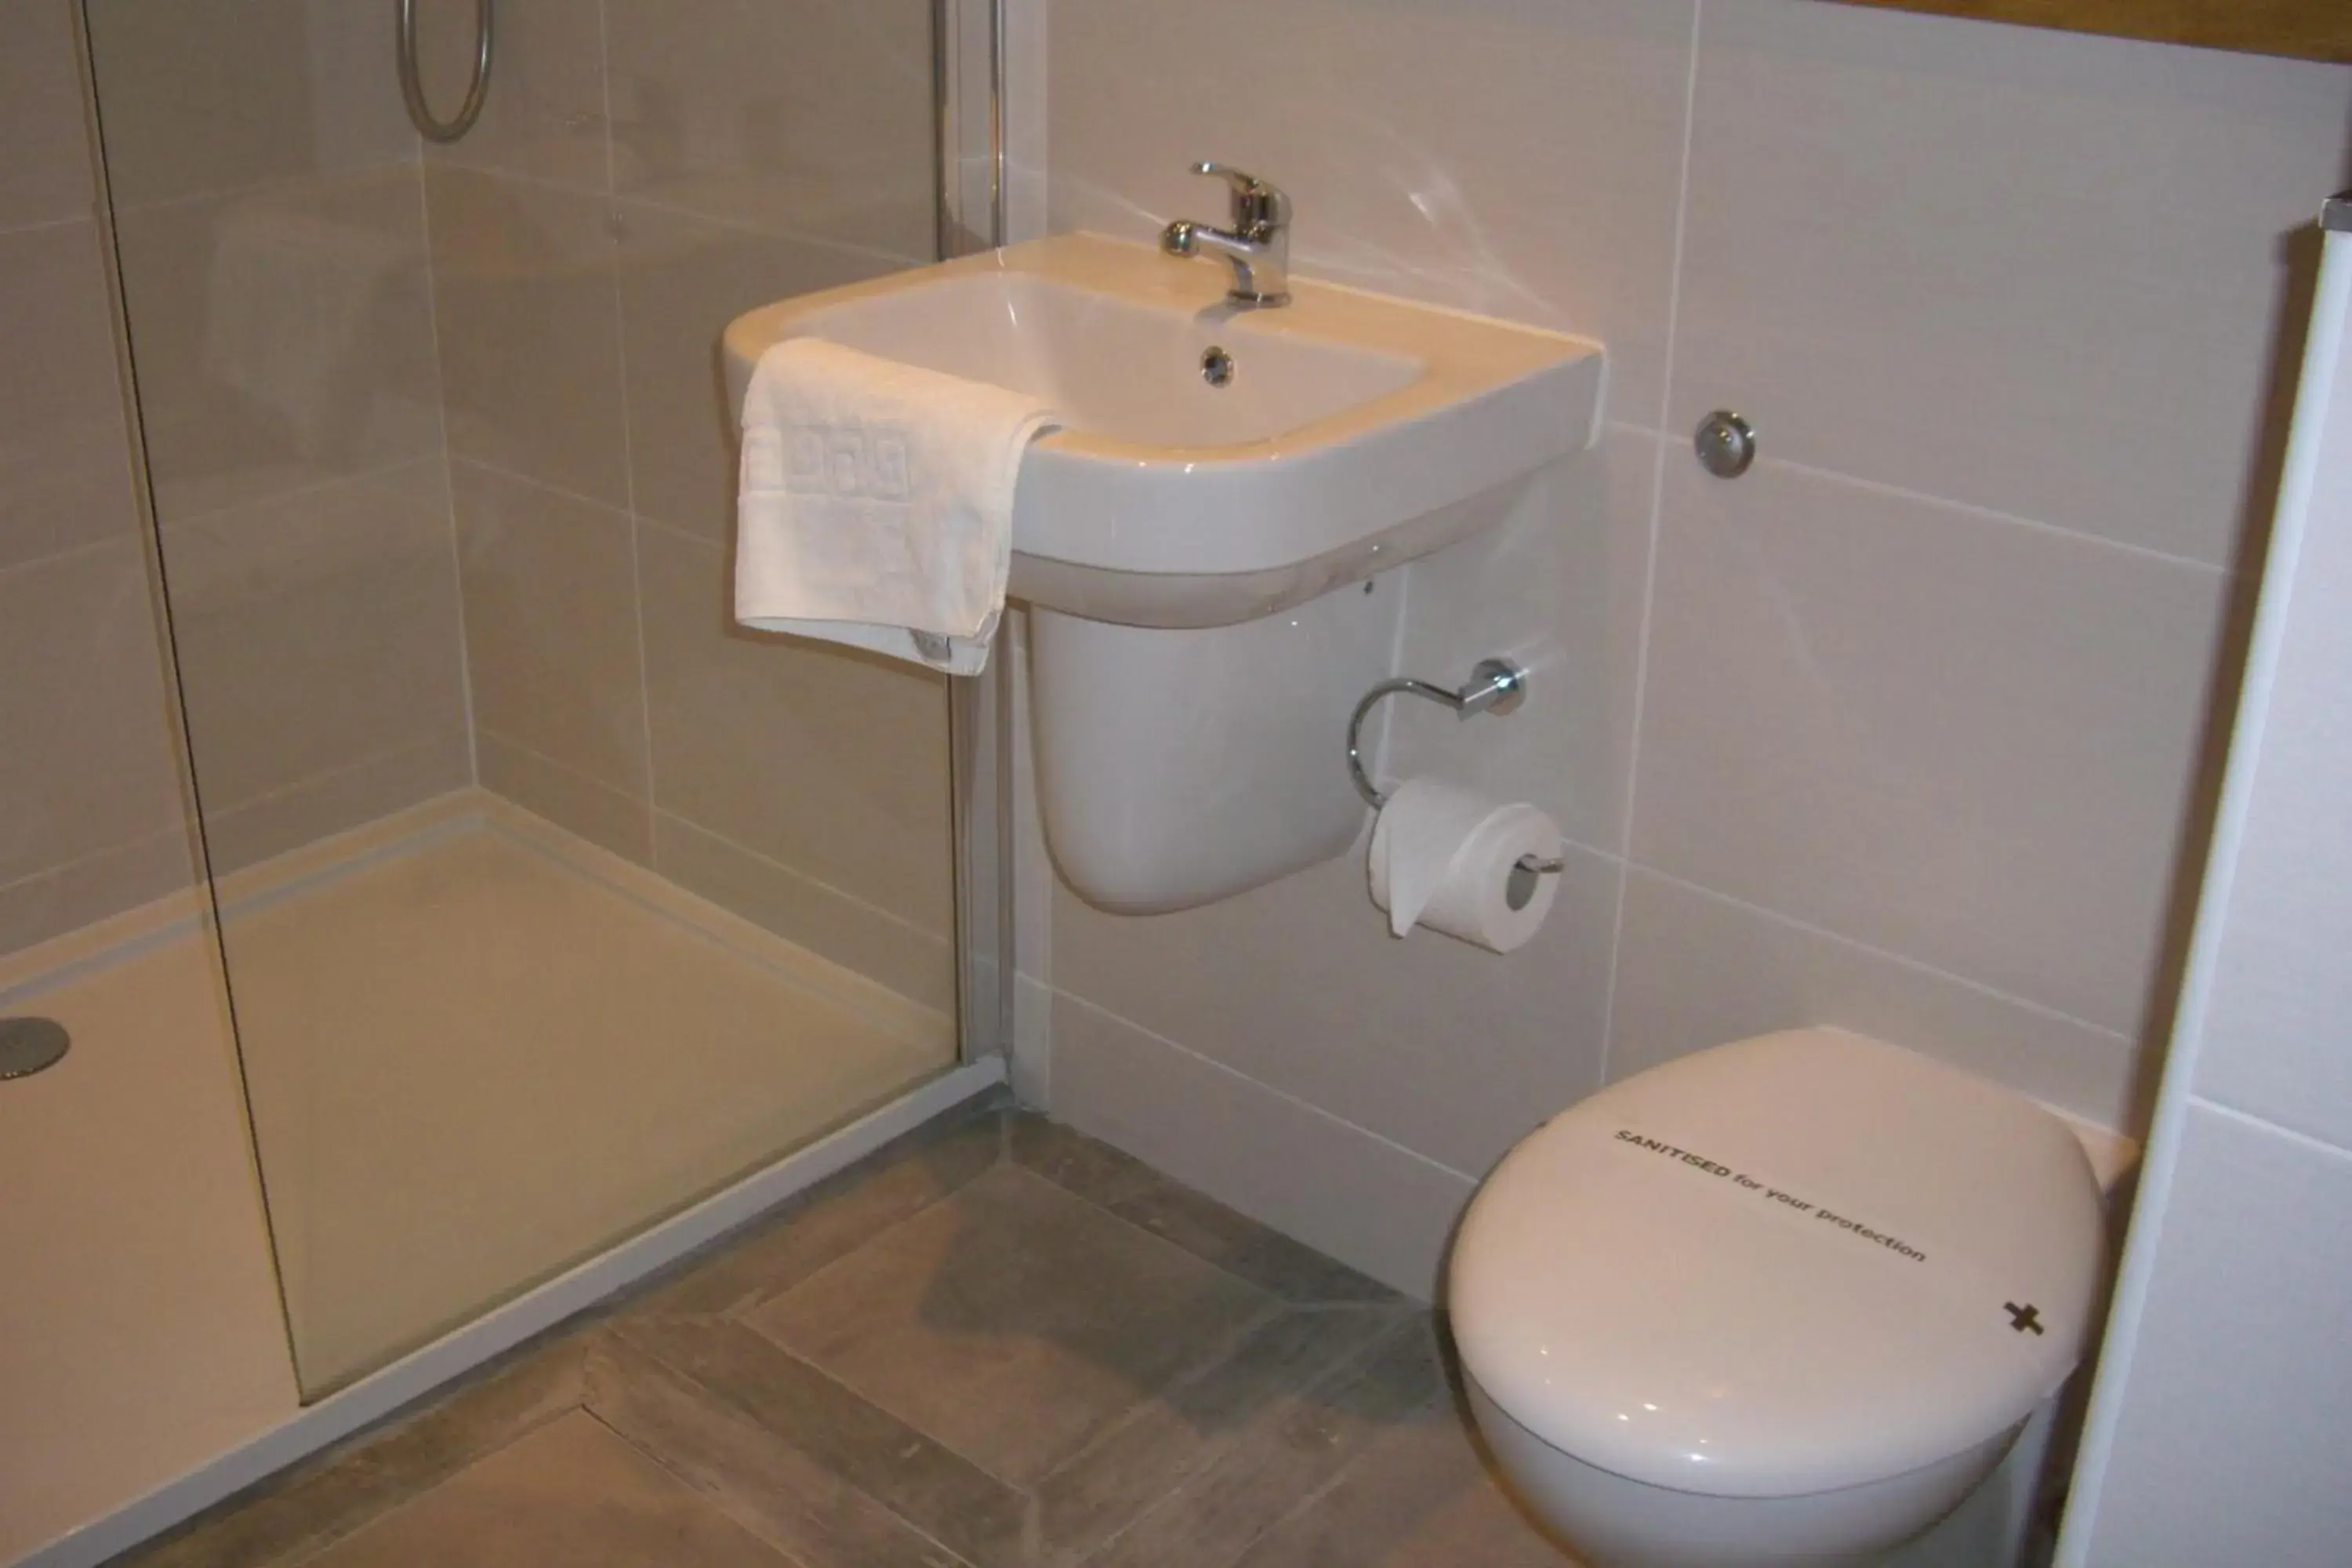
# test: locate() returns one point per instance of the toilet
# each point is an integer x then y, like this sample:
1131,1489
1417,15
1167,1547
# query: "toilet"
1802,1298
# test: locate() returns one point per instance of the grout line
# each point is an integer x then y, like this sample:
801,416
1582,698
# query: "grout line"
794,872
1308,1504
309,183
2005,518
604,98
1349,1370
719,1498
308,491
1318,1112
75,863
767,1294
309,782
71,552
1657,528
46,225
448,472
1224,1356
614,195
1972,511
679,531
1682,213
544,760
616,232
1916,966
2309,1143
615,513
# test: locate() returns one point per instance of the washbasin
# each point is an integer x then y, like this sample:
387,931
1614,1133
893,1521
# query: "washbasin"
1217,464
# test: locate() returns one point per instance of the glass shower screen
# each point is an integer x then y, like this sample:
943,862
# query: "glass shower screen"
550,900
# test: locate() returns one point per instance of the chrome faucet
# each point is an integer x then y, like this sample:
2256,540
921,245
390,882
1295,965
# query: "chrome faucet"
1257,247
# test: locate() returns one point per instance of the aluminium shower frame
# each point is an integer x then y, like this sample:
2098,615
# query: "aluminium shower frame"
967,75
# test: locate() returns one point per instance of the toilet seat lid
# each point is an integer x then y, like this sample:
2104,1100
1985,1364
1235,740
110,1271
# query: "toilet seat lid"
1792,1264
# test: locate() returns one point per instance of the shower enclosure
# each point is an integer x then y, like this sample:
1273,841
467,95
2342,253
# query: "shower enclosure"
497,899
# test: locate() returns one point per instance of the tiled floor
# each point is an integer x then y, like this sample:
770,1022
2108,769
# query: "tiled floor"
996,1344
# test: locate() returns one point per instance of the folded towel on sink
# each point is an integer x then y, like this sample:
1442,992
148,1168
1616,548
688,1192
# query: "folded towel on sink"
877,502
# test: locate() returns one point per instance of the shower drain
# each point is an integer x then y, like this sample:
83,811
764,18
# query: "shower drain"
28,1045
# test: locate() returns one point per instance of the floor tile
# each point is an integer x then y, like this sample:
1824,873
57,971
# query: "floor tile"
342,1490
845,1437
1167,1442
1418,1496
1299,1445
1202,1227
992,1344
782,1494
570,1493
1012,1322
831,1220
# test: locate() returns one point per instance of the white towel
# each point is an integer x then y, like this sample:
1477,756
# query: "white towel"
877,502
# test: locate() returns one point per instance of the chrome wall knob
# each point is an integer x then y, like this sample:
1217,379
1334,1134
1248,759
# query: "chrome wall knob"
1725,444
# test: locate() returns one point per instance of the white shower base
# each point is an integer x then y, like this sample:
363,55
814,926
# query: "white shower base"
478,1050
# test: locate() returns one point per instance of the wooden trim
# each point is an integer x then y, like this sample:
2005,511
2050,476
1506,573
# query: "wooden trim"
2307,30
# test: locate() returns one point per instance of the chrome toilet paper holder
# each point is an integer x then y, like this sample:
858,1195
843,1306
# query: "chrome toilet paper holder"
1496,686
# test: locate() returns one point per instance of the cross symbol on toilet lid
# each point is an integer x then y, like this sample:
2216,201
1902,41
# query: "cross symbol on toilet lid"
2024,1318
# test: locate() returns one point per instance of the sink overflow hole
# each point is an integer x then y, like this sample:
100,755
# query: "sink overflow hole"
28,1045
1217,367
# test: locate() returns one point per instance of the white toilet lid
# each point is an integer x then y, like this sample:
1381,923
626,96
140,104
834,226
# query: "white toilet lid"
1784,1265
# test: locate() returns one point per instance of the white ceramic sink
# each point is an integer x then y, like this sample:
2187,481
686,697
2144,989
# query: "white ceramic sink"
1356,433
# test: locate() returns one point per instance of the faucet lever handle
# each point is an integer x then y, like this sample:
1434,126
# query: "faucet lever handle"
1259,209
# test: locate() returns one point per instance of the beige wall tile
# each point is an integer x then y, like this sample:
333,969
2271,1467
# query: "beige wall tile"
331,803
85,757
2236,1364
574,801
217,95
316,632
1952,258
1445,1048
1358,1197
552,626
813,119
1559,588
1964,741
283,338
529,329
1517,157
916,962
2267,1030
65,465
53,902
1695,970
206,96
544,116
682,280
2032,272
45,173
832,763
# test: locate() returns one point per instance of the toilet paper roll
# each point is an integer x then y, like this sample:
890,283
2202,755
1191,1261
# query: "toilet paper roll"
1442,857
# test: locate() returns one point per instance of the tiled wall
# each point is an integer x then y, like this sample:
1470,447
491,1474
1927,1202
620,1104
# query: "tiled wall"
92,820
269,213
646,170
1902,731
2227,1372
440,447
